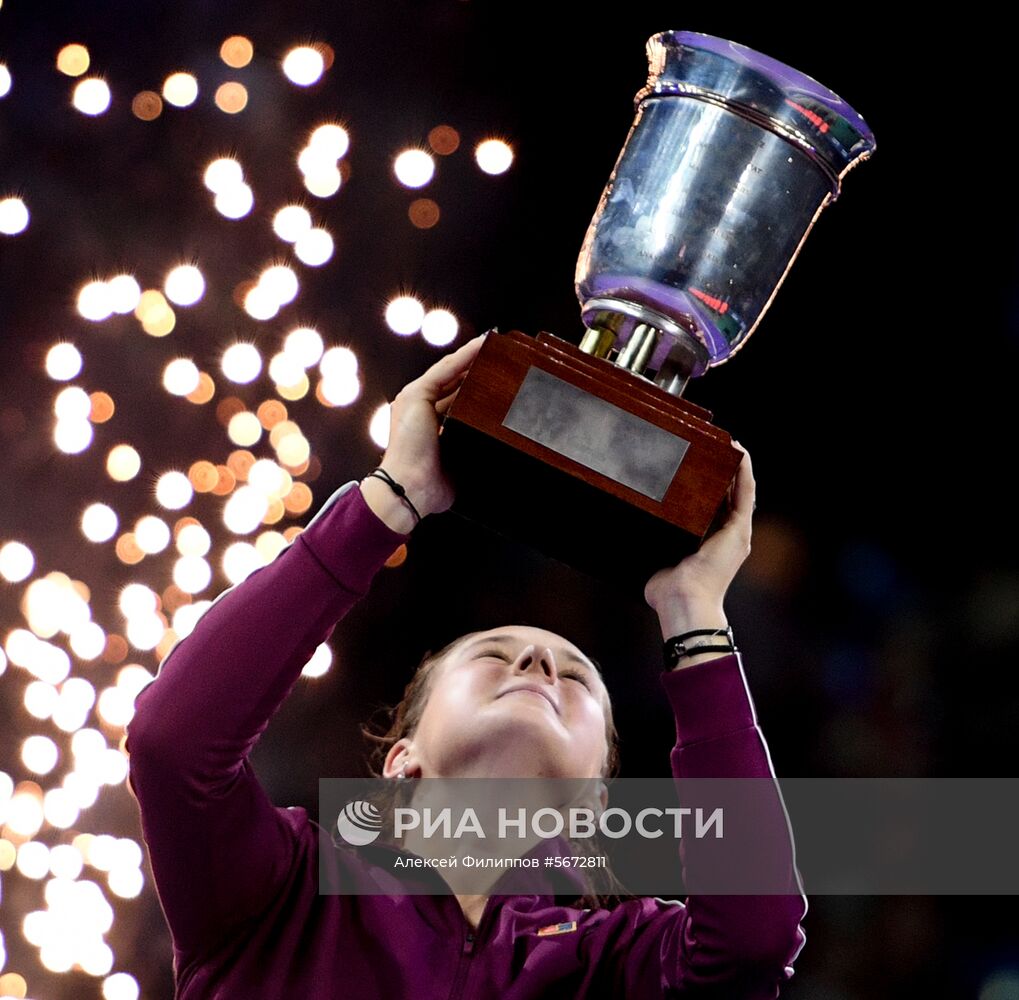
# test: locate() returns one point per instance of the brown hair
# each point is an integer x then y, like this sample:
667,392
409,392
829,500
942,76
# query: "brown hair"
402,720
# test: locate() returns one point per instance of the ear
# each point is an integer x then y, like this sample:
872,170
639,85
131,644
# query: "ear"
401,753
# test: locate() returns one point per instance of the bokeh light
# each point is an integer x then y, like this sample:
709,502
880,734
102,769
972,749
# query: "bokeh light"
291,222
92,96
338,363
16,562
123,463
444,140
304,65
152,534
72,436
414,168
98,522
314,247
320,662
63,362
330,140
242,363
244,428
13,216
5,80
95,301
180,89
155,313
73,59
236,51
378,426
280,282
231,97
184,285
305,345
174,490
124,293
192,574
222,174
493,156
423,213
147,105
439,327
180,376
235,202
72,403
324,181
39,754
404,315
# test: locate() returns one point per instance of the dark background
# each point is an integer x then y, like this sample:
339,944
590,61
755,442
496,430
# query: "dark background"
877,612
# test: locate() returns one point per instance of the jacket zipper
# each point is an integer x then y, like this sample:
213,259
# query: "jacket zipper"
470,939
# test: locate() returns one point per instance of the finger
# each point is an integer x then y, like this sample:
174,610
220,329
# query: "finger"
444,373
446,402
745,487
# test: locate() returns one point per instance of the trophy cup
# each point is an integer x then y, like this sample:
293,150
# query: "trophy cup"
589,452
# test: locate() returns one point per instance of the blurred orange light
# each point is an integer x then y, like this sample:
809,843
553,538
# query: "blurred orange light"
298,500
274,512
127,549
226,481
203,476
102,407
232,97
205,391
174,598
444,139
147,105
271,412
423,213
240,463
236,51
116,649
73,60
227,408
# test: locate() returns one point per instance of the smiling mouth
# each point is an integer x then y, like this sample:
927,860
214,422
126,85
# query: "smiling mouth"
532,691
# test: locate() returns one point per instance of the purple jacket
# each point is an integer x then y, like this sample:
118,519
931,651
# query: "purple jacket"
237,876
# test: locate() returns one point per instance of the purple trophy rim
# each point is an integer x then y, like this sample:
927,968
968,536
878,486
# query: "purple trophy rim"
765,83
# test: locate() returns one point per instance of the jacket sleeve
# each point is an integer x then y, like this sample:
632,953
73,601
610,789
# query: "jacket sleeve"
731,945
219,848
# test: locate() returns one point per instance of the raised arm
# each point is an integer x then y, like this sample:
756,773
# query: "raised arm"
219,848
743,945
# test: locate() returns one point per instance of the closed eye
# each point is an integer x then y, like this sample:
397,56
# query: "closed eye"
575,674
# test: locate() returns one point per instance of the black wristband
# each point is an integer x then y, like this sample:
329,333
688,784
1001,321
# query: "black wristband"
381,473
675,648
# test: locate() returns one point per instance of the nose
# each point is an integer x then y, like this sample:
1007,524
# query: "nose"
537,658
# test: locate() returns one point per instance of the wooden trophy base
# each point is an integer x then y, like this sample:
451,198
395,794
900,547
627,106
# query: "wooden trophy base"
587,462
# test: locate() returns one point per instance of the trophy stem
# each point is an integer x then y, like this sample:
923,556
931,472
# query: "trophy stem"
639,348
597,342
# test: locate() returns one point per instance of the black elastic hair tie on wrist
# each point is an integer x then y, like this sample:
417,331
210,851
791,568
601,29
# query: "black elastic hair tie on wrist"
381,473
675,648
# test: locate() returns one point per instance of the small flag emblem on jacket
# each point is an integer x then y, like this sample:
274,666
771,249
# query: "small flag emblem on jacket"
557,928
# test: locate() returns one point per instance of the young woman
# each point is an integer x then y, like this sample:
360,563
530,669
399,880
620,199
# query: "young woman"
238,878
